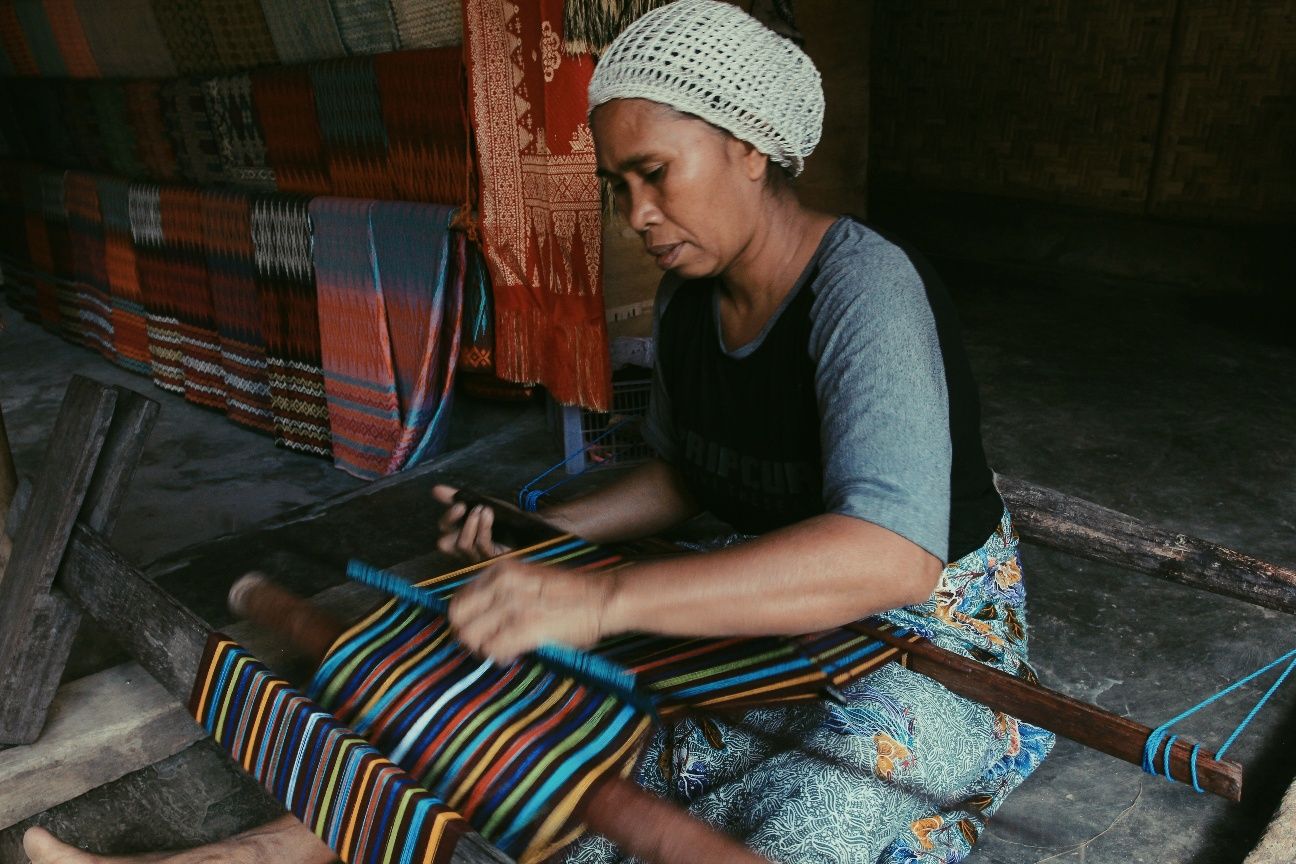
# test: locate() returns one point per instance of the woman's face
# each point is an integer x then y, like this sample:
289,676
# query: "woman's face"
685,187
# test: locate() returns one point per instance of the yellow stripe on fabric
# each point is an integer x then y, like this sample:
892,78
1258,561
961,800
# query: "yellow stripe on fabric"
443,818
339,762
254,734
781,651
563,809
507,738
221,648
223,712
481,565
576,736
812,678
494,706
343,673
356,814
393,676
397,827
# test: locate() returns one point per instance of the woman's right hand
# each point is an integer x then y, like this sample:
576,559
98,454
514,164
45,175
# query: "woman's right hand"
465,533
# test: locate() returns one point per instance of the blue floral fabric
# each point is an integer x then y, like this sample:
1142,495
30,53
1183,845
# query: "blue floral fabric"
906,771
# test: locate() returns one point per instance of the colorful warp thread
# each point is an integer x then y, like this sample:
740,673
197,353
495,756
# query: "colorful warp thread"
238,134
281,243
421,95
190,296
303,30
89,267
389,281
350,795
166,363
540,217
129,326
236,308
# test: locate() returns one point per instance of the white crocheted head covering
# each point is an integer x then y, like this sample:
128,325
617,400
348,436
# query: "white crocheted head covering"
713,60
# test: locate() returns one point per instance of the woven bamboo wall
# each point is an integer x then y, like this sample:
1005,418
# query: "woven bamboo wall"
1178,108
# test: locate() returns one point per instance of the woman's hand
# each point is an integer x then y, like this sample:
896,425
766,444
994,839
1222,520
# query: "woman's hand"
465,533
514,607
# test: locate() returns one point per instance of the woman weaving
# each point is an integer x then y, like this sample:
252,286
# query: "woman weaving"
809,390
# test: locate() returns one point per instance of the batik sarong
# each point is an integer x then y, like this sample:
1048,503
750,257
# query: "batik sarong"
129,325
906,771
389,281
281,243
236,308
539,213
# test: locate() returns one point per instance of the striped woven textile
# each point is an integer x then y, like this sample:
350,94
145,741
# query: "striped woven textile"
285,106
115,131
390,289
515,748
40,38
125,39
351,120
366,26
129,325
89,265
303,30
236,308
152,140
69,34
281,243
17,51
238,134
544,247
186,266
184,27
166,360
184,109
428,23
342,788
240,34
421,94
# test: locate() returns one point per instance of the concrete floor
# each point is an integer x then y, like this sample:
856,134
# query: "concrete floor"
1176,409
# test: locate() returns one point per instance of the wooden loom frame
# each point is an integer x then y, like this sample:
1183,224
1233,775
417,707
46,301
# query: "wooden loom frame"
61,525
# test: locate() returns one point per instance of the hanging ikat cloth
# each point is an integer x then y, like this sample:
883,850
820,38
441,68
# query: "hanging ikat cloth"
390,284
539,212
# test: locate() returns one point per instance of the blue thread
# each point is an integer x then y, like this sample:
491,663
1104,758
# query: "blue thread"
1158,735
598,672
529,498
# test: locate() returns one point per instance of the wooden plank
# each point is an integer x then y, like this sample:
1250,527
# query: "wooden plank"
70,458
1088,530
1081,722
100,728
8,483
166,639
28,686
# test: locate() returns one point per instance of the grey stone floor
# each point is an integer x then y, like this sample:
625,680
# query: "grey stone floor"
1179,410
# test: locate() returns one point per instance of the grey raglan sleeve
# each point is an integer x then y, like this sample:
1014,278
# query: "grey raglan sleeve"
658,428
883,403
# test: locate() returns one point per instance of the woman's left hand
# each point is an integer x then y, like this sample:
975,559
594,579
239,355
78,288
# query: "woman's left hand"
515,607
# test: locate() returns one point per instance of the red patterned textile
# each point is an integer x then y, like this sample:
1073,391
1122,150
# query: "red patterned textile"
152,141
89,268
65,22
540,217
186,263
285,106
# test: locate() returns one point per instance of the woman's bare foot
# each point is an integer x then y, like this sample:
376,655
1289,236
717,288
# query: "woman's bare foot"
283,841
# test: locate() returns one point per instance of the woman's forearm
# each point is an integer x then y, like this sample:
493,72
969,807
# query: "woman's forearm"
820,573
644,501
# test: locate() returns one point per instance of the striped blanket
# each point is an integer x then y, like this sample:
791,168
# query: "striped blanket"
513,749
